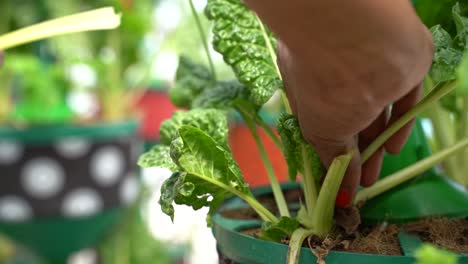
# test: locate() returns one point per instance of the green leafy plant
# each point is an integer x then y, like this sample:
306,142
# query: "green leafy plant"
194,142
450,66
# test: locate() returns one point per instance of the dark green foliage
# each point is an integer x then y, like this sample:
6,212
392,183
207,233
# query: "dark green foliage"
282,230
224,95
196,88
191,80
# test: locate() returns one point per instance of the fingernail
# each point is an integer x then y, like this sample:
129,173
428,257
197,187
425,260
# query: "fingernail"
343,199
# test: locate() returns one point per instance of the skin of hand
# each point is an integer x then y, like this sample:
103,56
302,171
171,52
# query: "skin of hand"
343,64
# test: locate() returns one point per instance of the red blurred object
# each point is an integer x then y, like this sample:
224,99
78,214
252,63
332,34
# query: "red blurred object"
155,107
246,154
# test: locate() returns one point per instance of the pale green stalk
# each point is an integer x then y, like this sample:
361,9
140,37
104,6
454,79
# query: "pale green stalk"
276,187
295,244
444,136
263,212
408,173
310,188
322,218
432,97
463,133
272,52
203,38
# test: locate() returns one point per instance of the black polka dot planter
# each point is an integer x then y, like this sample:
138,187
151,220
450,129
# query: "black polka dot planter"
63,187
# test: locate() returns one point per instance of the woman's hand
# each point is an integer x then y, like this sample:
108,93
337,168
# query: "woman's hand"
344,63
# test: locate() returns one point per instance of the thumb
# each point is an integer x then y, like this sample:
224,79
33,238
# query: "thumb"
328,150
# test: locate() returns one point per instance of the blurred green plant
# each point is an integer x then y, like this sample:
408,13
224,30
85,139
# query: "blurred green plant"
38,90
429,254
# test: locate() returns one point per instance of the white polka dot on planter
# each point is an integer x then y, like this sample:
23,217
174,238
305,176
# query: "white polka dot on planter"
129,189
10,151
14,209
42,177
82,202
72,148
107,164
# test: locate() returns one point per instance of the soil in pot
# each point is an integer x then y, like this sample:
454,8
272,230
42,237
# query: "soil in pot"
382,239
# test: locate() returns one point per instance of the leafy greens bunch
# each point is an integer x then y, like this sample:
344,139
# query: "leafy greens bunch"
194,143
449,117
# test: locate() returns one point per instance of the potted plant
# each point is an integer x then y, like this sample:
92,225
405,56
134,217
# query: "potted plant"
448,116
270,225
65,180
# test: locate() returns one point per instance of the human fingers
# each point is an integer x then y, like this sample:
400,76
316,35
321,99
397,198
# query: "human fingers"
371,168
395,143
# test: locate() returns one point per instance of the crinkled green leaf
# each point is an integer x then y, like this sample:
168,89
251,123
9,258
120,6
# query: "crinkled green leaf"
209,175
212,121
293,144
461,24
441,38
429,254
169,190
444,64
238,37
223,95
157,156
282,230
191,80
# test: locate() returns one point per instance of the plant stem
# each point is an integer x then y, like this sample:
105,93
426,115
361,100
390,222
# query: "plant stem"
432,97
261,210
253,115
444,136
310,188
267,129
295,244
408,173
278,194
272,52
203,38
463,133
322,215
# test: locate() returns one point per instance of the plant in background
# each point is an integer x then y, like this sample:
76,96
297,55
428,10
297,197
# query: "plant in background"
193,143
449,117
41,90
428,254
116,57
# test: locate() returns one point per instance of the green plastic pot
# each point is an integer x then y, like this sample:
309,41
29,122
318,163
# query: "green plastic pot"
51,230
431,194
56,238
235,247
